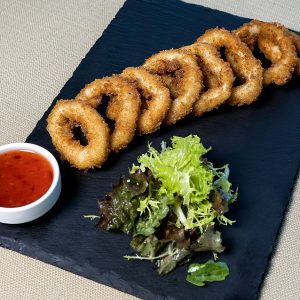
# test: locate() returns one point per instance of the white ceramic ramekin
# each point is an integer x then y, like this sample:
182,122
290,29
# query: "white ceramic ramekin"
36,209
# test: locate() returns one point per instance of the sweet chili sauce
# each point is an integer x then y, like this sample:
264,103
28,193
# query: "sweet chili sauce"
25,176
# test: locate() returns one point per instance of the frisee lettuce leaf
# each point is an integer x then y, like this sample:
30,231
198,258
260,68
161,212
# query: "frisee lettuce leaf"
187,181
153,208
211,271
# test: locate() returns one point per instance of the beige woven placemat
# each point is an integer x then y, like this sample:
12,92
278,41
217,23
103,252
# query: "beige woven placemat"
41,43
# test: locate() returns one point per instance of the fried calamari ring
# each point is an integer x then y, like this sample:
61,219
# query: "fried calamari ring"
276,55
68,114
217,75
276,45
123,107
189,79
296,40
156,98
243,63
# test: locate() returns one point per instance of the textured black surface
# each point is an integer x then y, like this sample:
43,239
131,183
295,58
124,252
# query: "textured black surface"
261,143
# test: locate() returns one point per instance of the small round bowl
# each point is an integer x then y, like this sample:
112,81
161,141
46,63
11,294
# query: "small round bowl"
36,209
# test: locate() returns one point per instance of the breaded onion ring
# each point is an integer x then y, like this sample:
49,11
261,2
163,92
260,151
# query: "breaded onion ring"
156,98
68,114
217,76
277,46
243,63
189,79
123,107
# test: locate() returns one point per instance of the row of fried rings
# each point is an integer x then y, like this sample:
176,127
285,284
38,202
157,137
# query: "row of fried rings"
178,74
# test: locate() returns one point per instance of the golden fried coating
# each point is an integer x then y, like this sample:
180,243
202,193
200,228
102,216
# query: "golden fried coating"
243,63
67,114
217,75
296,41
277,46
156,99
123,107
172,83
188,78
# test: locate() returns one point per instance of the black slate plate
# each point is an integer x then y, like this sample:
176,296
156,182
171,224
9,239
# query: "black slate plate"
261,143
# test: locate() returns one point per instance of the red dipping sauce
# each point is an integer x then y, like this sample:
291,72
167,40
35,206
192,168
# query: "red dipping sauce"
25,176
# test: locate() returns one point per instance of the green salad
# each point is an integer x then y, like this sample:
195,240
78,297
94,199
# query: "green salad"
170,203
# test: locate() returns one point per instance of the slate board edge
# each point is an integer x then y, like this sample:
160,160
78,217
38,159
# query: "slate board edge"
107,279
278,233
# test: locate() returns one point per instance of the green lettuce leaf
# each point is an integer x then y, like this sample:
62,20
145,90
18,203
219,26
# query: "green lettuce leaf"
163,253
173,257
152,208
210,240
211,271
118,209
147,246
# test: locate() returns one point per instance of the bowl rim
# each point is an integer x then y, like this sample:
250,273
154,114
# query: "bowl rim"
50,158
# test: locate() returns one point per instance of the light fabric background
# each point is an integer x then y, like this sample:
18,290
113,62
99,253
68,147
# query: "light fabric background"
41,43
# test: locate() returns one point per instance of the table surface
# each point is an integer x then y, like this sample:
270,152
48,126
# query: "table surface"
41,44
